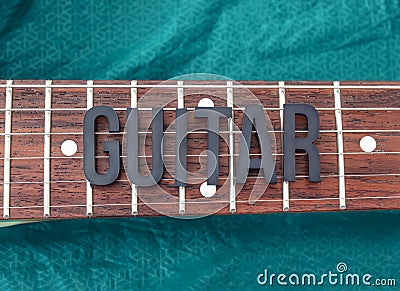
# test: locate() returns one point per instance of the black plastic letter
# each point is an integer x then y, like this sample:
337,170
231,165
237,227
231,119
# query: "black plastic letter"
213,114
254,115
291,143
112,147
181,147
132,148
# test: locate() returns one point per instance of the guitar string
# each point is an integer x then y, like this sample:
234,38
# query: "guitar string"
280,177
241,85
204,132
198,155
215,202
201,132
25,109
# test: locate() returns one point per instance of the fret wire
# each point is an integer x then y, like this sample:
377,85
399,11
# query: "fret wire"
89,188
182,190
241,86
232,189
134,188
7,150
340,147
47,152
285,184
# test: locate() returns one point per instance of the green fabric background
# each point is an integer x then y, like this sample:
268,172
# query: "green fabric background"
270,40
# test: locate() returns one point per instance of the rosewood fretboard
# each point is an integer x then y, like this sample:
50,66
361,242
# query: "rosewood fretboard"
38,180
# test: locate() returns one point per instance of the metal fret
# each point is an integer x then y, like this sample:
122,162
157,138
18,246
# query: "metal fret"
285,184
339,127
7,150
47,147
89,188
182,190
133,186
232,189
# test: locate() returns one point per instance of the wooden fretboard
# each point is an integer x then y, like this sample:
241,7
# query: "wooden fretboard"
38,180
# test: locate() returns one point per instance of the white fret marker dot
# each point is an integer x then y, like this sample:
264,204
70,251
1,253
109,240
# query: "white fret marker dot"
208,190
205,102
69,148
368,144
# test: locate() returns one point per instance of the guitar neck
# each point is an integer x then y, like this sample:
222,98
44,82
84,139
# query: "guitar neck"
42,173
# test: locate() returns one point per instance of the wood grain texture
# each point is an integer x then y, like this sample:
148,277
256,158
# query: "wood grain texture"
372,179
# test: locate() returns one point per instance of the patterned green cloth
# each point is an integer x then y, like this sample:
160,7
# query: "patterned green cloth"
256,39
